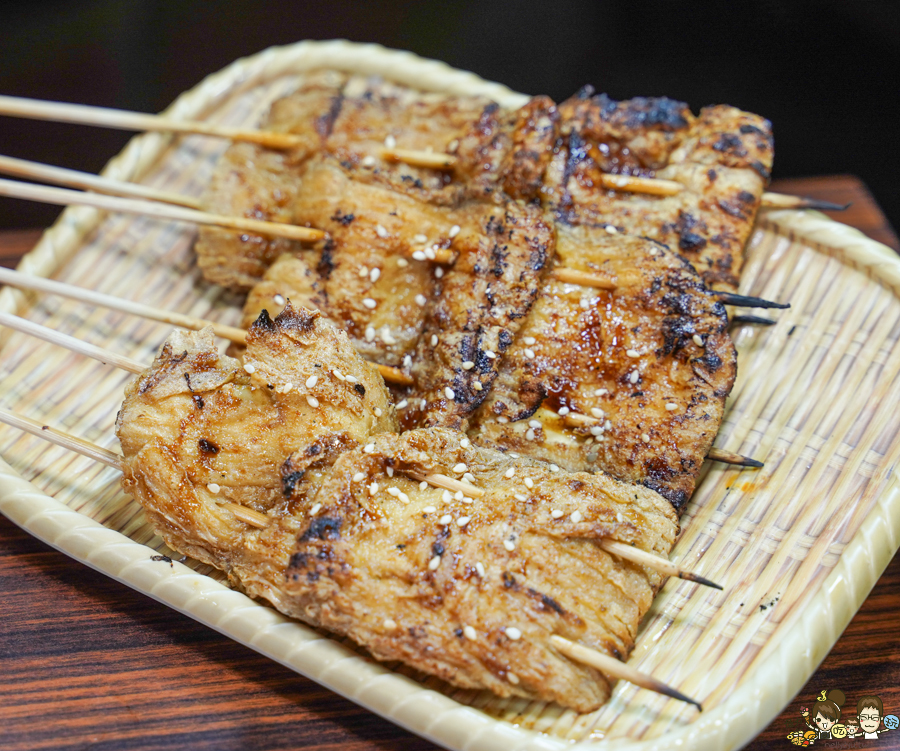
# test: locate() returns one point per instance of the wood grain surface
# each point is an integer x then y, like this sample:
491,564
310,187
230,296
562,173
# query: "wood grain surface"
87,663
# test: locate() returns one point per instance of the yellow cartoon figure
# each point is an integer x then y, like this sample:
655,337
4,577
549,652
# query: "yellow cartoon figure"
825,714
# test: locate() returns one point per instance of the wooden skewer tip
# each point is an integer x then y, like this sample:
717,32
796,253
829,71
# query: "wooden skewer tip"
753,320
729,457
745,301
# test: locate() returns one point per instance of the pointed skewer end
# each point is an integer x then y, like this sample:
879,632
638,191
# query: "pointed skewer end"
746,301
688,576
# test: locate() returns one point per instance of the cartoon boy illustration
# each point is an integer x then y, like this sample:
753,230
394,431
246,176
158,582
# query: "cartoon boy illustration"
870,711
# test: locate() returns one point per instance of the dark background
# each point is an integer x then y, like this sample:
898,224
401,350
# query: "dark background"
824,72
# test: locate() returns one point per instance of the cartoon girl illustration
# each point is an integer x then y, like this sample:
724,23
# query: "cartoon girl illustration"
825,712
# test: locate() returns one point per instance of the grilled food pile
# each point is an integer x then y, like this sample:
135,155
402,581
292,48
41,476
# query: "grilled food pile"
584,413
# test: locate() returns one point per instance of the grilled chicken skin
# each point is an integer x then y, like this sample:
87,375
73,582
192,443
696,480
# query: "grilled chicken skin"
468,589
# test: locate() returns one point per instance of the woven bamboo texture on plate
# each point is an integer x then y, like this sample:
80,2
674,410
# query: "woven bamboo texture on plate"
797,545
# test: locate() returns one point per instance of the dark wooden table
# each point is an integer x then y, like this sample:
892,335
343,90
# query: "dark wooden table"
86,663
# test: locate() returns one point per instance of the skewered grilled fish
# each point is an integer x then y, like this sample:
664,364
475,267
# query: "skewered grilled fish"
469,589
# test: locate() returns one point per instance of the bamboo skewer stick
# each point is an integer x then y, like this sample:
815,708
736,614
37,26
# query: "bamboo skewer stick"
608,665
69,342
81,114
745,301
783,201
660,565
63,197
448,483
612,667
647,185
47,173
728,457
430,159
231,333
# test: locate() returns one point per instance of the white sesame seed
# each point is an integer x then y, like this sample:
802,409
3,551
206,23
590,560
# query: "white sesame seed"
249,367
287,387
468,365
390,624
529,340
597,412
611,229
420,239
479,567
337,374
402,263
458,495
358,477
373,488
368,161
510,472
490,354
386,336
429,509
390,142
557,514
402,404
421,299
445,519
468,477
534,423
449,393
374,274
423,485
509,545
312,381
513,633
446,496
315,509
477,386
279,299
520,497
378,412
369,303
634,377
453,145
632,353
312,401
596,430
393,491
619,517
512,678
380,231
438,272
213,488
529,353
601,392
576,517
363,271
645,437
434,340
671,406
554,468
370,333
429,253
407,361
454,231
653,251
513,454
563,411
460,468
469,633
698,340
463,521
369,448
390,471
466,499
529,434
464,443
418,255
607,425
434,563
529,483
352,379
403,498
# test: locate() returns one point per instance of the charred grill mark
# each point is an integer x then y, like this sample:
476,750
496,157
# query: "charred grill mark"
730,143
498,260
547,602
208,447
343,219
324,123
359,389
158,375
198,400
509,581
326,262
294,319
323,528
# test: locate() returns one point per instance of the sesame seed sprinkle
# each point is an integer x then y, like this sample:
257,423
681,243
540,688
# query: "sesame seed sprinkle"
380,231
407,361
479,567
402,263
597,412
438,272
529,483
421,300
213,488
634,377
312,401
490,354
374,274
390,624
454,231
557,514
698,340
434,563
369,448
510,472
534,423
429,253
576,517
315,509
512,678
395,492
632,353
368,161
468,365
390,471
513,633
529,353
352,379
529,434
279,299
312,381
288,387
423,485
611,229
469,633
653,251
446,496
671,406
460,468
370,333
520,497
429,509
458,495
358,477
563,411
645,437
449,393
402,404
390,142
554,468
418,255
369,303
453,145
601,392
434,340
249,367
378,412
477,386
463,521
509,545
363,271
373,488
464,443
420,239
529,340
468,477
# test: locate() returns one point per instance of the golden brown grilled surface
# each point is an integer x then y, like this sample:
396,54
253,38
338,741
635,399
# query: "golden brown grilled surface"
723,158
651,362
438,581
